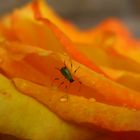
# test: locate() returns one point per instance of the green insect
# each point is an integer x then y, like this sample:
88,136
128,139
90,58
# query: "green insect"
67,74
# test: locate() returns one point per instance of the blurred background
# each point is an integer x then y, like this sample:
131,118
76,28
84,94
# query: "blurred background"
87,13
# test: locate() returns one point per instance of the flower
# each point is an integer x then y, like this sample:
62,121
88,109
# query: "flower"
103,62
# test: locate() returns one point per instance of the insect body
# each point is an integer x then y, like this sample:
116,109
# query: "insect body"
66,73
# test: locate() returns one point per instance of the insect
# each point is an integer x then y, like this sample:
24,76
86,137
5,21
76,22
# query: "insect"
67,74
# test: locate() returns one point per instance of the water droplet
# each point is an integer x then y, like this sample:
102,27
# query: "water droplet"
92,100
24,85
64,98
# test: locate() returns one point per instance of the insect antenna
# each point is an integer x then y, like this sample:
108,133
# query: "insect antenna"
61,84
71,64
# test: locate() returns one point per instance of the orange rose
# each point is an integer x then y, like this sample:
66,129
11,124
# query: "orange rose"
58,82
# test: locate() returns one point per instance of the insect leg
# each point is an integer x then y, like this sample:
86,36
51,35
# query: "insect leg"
76,70
57,68
66,86
80,85
61,84
55,79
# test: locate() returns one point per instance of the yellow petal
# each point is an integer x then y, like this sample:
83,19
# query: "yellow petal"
25,118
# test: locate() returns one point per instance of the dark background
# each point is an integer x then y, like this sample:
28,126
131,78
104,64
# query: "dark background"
87,13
